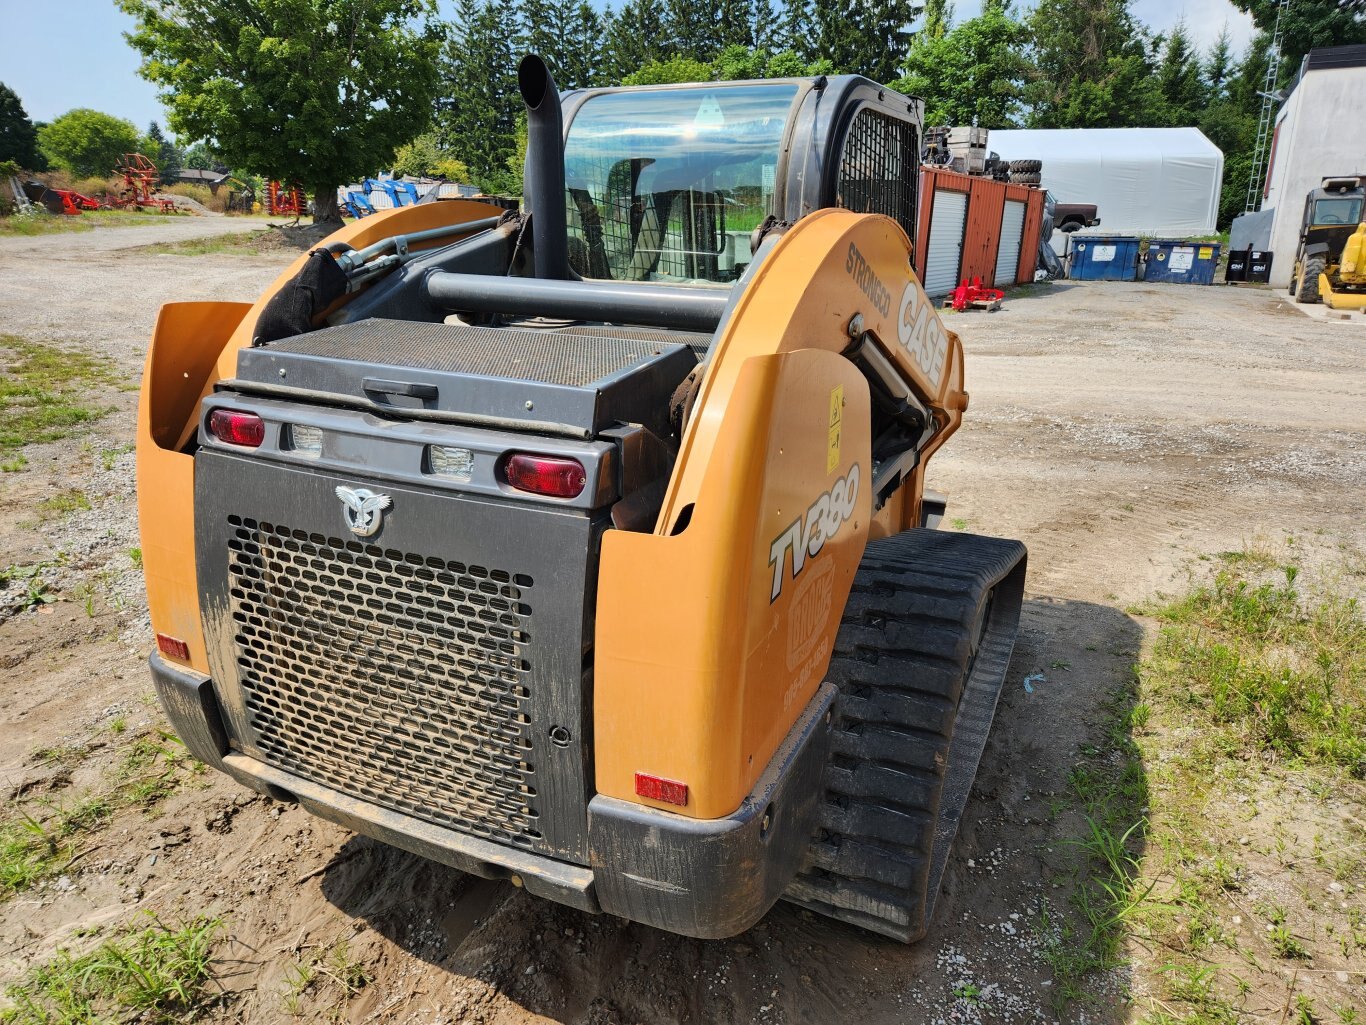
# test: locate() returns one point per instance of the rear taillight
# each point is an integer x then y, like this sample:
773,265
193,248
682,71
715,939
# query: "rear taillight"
237,428
552,476
173,647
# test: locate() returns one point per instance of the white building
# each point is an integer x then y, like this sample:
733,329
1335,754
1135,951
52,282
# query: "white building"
1320,133
1158,182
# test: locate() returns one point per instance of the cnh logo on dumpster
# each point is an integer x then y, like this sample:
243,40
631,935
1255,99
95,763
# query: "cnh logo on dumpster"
922,333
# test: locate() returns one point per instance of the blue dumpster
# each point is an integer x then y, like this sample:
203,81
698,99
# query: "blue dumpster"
1098,258
1179,262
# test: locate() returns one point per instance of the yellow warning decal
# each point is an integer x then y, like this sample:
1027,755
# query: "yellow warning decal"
1206,252
832,456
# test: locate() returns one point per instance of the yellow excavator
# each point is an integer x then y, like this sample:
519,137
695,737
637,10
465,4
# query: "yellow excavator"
588,547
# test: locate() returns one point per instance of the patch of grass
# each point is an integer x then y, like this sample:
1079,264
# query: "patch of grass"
109,456
959,524
34,589
64,503
1265,671
45,391
1111,895
135,555
249,243
332,973
1284,943
14,465
54,224
38,841
157,974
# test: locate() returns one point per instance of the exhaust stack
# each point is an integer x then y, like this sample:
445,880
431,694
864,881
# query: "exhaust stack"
543,184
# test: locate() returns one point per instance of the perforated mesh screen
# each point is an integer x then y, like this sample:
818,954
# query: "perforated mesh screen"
395,678
878,168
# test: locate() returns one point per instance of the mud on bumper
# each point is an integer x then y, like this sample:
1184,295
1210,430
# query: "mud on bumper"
708,878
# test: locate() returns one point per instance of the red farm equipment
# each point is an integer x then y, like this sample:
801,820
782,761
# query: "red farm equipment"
140,181
58,201
285,200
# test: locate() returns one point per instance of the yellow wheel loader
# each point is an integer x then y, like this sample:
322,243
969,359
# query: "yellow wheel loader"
589,547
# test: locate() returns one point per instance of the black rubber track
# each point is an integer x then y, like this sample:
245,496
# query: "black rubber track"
919,661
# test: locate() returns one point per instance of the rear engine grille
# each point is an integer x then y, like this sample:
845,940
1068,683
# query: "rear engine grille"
396,678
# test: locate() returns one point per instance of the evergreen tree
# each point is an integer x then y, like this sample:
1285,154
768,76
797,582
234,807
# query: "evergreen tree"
1219,66
1092,65
797,29
1180,79
938,19
692,28
18,137
635,38
478,123
164,153
766,28
583,60
735,23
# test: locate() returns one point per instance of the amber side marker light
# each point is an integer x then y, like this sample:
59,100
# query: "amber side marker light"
552,476
173,647
656,788
237,428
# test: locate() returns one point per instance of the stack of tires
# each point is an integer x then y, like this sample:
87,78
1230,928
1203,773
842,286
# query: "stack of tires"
1025,172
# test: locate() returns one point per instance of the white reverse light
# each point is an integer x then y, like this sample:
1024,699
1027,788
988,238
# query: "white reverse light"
307,441
451,462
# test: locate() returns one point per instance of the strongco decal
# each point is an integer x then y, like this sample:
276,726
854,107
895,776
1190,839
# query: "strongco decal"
866,278
807,536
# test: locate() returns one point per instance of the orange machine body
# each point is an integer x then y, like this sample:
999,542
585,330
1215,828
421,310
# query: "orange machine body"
715,630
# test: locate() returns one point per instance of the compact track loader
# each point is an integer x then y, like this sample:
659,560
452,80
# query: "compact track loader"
589,547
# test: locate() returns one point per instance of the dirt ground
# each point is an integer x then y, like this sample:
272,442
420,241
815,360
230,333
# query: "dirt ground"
1120,430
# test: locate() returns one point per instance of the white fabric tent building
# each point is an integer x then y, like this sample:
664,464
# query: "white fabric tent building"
1158,182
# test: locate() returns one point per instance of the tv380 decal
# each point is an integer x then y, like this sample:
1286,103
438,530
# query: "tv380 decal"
807,536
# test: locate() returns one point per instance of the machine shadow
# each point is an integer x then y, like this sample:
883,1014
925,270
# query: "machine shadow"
1005,893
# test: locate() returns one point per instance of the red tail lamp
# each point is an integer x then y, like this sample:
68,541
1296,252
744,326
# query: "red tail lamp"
173,647
656,788
552,476
237,428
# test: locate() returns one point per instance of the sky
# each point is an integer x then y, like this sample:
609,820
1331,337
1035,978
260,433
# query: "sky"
82,60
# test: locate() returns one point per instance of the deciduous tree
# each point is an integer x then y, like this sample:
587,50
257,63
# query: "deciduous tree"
1307,24
973,75
312,91
86,142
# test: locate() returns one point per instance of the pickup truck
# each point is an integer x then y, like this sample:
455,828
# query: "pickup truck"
1070,217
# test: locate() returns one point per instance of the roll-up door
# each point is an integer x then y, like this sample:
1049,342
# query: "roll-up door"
945,251
1008,251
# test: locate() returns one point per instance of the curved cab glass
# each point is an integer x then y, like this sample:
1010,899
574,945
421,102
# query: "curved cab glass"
667,185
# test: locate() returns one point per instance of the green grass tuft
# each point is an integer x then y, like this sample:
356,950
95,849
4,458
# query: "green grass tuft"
157,974
45,392
1266,671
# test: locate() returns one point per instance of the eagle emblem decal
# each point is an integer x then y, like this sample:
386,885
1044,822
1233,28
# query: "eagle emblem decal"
364,509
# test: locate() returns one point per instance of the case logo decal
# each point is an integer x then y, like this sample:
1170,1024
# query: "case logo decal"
807,536
364,510
922,333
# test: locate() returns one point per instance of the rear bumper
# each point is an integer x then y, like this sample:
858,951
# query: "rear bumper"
708,878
